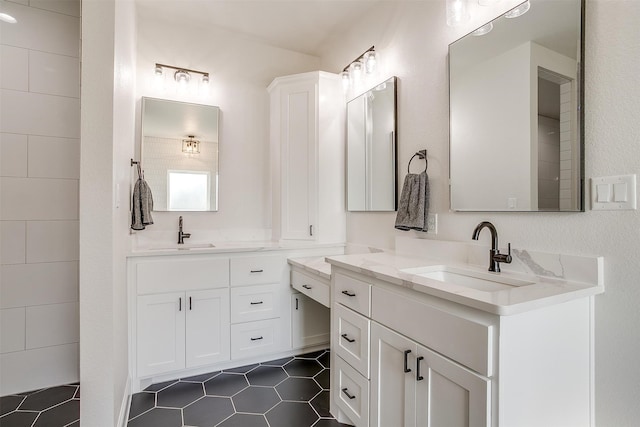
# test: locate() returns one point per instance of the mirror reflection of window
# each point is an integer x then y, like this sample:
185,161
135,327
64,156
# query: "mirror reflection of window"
188,190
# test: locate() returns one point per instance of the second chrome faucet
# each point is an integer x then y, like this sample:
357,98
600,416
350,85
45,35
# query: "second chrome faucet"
495,257
181,235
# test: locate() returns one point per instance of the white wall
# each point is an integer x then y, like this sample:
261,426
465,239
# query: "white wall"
241,68
40,153
413,40
108,133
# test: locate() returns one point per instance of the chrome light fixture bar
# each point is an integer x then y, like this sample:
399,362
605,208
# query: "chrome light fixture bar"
181,75
367,62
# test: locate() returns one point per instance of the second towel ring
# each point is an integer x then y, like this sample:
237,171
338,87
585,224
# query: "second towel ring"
422,154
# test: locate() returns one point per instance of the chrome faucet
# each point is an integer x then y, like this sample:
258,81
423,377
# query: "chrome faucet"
181,235
495,257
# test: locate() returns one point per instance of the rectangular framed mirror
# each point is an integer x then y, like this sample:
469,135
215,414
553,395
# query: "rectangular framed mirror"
372,177
179,153
516,116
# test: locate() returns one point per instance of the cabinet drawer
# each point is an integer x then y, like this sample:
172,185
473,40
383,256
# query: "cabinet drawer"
353,293
250,303
162,275
257,270
310,286
255,338
352,393
466,341
351,338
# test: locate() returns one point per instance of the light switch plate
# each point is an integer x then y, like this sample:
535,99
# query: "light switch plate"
608,193
432,223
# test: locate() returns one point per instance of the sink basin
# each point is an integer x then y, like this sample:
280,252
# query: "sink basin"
184,247
486,282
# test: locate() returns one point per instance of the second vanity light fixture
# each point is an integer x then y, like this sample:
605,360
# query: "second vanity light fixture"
182,76
191,146
367,63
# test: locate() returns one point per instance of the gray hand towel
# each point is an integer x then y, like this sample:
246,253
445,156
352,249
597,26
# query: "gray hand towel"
414,203
142,205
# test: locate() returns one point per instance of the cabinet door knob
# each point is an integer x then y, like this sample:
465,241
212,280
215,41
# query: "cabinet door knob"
418,376
347,338
346,392
406,361
349,294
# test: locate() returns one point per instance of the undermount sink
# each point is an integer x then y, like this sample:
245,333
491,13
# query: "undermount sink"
487,282
184,247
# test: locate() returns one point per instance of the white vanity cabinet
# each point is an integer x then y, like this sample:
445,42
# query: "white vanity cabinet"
307,156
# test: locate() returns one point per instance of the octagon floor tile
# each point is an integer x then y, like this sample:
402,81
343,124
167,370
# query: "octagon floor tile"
256,400
140,403
208,411
324,379
266,375
59,416
298,389
244,420
158,417
321,404
18,419
180,395
226,385
9,404
303,368
325,359
292,414
47,398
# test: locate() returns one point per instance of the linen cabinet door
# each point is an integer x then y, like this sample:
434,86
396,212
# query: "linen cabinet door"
160,333
310,322
393,384
448,394
207,331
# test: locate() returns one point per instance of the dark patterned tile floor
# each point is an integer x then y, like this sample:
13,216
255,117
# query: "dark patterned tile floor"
289,392
50,407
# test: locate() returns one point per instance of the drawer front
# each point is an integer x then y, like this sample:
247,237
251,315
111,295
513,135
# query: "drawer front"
255,338
466,341
351,338
162,275
352,393
310,286
257,270
250,303
353,293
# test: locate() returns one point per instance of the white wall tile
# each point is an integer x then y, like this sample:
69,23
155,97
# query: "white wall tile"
51,241
54,157
14,68
34,369
12,329
38,114
68,7
13,154
13,235
53,324
41,30
54,74
38,198
37,284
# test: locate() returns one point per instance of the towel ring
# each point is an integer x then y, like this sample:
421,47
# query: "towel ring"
422,154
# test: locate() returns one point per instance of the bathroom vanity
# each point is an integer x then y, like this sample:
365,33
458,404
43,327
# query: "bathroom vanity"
439,341
203,308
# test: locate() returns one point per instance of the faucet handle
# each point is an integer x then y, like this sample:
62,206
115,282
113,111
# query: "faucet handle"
504,257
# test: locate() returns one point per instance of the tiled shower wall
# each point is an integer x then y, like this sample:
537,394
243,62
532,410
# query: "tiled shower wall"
40,169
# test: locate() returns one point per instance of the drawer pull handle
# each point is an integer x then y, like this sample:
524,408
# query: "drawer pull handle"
257,271
406,357
349,294
180,304
418,376
347,338
256,339
346,392
307,286
190,304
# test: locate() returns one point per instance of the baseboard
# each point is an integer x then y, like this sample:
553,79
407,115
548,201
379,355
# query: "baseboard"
124,406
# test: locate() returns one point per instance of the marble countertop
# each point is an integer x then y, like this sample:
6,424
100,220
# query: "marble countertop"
314,265
193,248
545,290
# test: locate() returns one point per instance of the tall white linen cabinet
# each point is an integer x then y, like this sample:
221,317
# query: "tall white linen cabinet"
307,138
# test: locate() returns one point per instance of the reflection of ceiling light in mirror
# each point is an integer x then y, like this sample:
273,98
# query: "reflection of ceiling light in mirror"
485,29
518,10
457,12
5,17
190,146
380,87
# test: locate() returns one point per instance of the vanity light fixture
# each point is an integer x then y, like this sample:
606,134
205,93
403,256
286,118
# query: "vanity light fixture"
485,29
182,76
367,62
518,10
191,146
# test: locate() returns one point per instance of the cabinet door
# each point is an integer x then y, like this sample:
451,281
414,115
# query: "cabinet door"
449,395
160,333
393,381
310,322
207,332
298,107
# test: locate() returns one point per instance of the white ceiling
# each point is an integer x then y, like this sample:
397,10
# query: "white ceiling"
298,25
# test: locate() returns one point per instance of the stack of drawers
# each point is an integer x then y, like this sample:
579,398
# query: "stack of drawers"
351,337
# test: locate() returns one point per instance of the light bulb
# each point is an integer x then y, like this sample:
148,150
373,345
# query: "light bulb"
205,80
457,12
345,80
518,10
370,61
355,71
